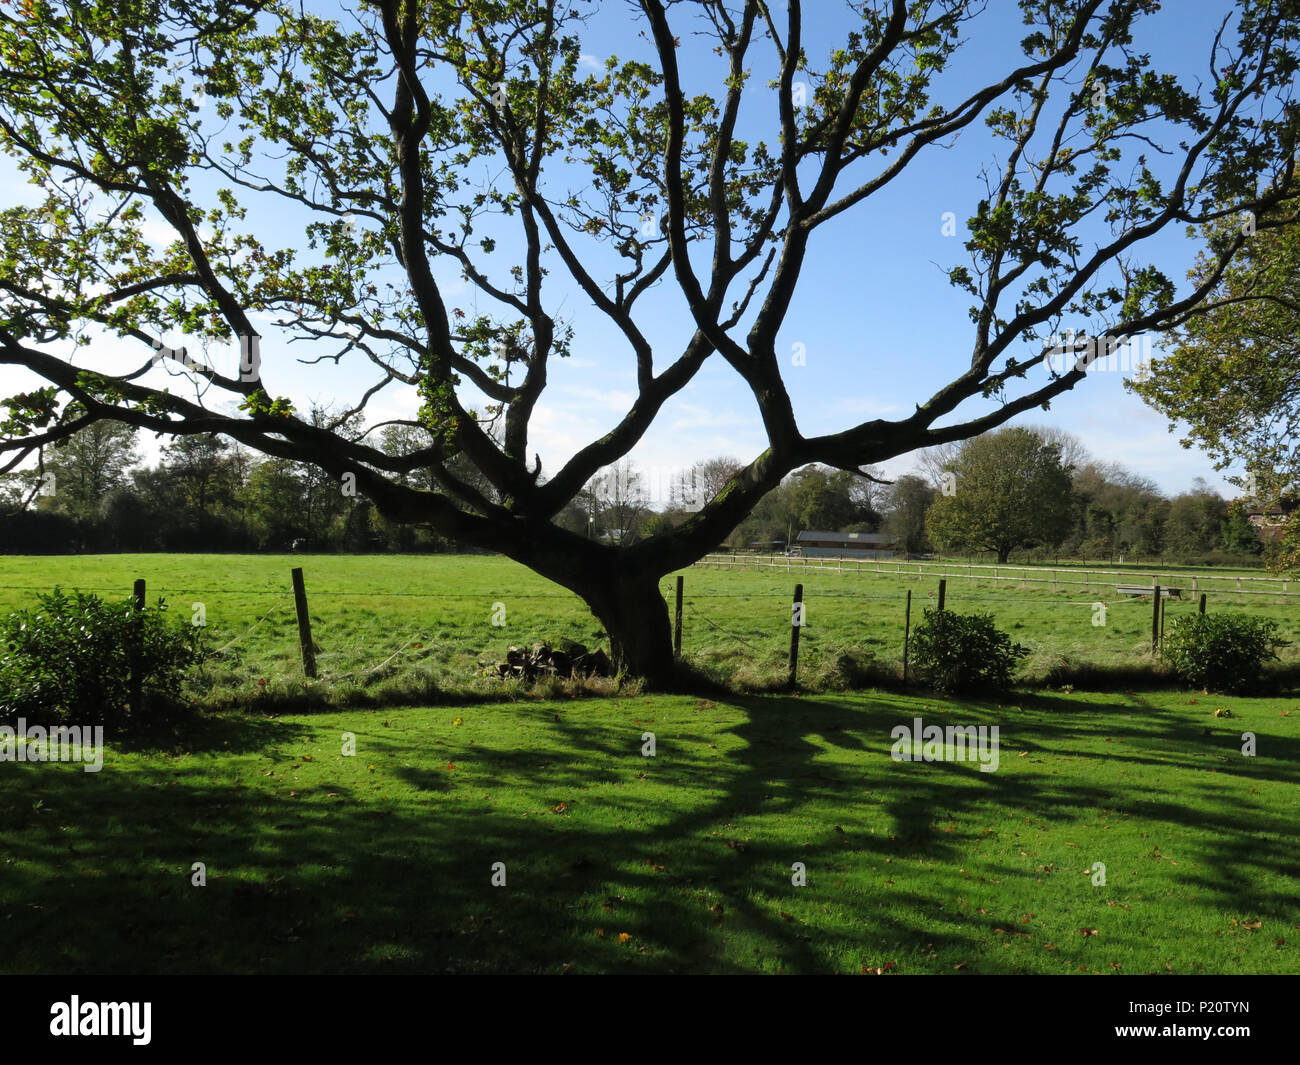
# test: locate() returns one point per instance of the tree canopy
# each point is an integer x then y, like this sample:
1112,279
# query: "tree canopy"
1008,490
1233,374
375,123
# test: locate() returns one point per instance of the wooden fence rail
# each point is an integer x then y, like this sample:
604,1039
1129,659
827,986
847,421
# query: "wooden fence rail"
922,571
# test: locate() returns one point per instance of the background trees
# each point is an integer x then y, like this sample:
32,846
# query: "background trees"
87,466
907,502
1010,491
215,496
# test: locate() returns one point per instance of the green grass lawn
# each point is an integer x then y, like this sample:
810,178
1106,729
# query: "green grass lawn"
418,629
382,862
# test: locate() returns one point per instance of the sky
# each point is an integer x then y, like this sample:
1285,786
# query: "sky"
876,323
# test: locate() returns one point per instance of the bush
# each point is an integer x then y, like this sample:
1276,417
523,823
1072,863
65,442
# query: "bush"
1221,652
963,653
69,660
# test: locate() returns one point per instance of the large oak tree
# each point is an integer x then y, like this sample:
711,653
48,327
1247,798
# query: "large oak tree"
374,125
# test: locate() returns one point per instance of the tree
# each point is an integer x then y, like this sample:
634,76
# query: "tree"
826,499
906,504
88,464
199,463
704,480
1193,526
621,505
1010,491
1234,371
373,128
1239,535
1114,512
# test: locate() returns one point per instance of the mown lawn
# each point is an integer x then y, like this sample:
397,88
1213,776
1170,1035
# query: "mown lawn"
681,862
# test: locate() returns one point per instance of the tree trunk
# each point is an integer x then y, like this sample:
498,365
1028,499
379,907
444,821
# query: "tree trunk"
635,617
1003,554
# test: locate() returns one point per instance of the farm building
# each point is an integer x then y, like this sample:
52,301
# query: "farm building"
1270,522
845,545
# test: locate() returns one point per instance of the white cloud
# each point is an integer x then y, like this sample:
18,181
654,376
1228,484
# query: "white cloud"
603,398
861,407
697,417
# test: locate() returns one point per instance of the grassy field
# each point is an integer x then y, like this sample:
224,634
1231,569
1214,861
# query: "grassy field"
382,861
420,628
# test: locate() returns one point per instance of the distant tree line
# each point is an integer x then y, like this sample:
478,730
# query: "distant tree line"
206,494
1034,491
1029,490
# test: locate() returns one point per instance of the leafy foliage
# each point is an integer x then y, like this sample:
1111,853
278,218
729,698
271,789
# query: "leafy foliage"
1009,490
1221,652
69,660
1234,373
963,653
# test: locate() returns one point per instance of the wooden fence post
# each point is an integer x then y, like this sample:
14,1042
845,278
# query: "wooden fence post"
677,622
943,589
135,692
796,622
1155,618
907,631
304,624
1201,608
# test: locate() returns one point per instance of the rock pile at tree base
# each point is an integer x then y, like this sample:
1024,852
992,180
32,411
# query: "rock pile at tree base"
543,660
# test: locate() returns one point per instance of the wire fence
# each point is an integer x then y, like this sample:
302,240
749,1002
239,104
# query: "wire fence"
858,605
1057,576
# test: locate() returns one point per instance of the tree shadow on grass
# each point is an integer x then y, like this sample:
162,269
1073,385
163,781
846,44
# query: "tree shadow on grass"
386,864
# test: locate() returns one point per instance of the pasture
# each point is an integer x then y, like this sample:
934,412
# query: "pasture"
420,628
382,859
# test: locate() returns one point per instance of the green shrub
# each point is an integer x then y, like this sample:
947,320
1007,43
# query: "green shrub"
1221,652
954,653
69,660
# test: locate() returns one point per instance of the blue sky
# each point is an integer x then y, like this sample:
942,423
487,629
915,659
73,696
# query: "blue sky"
880,327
